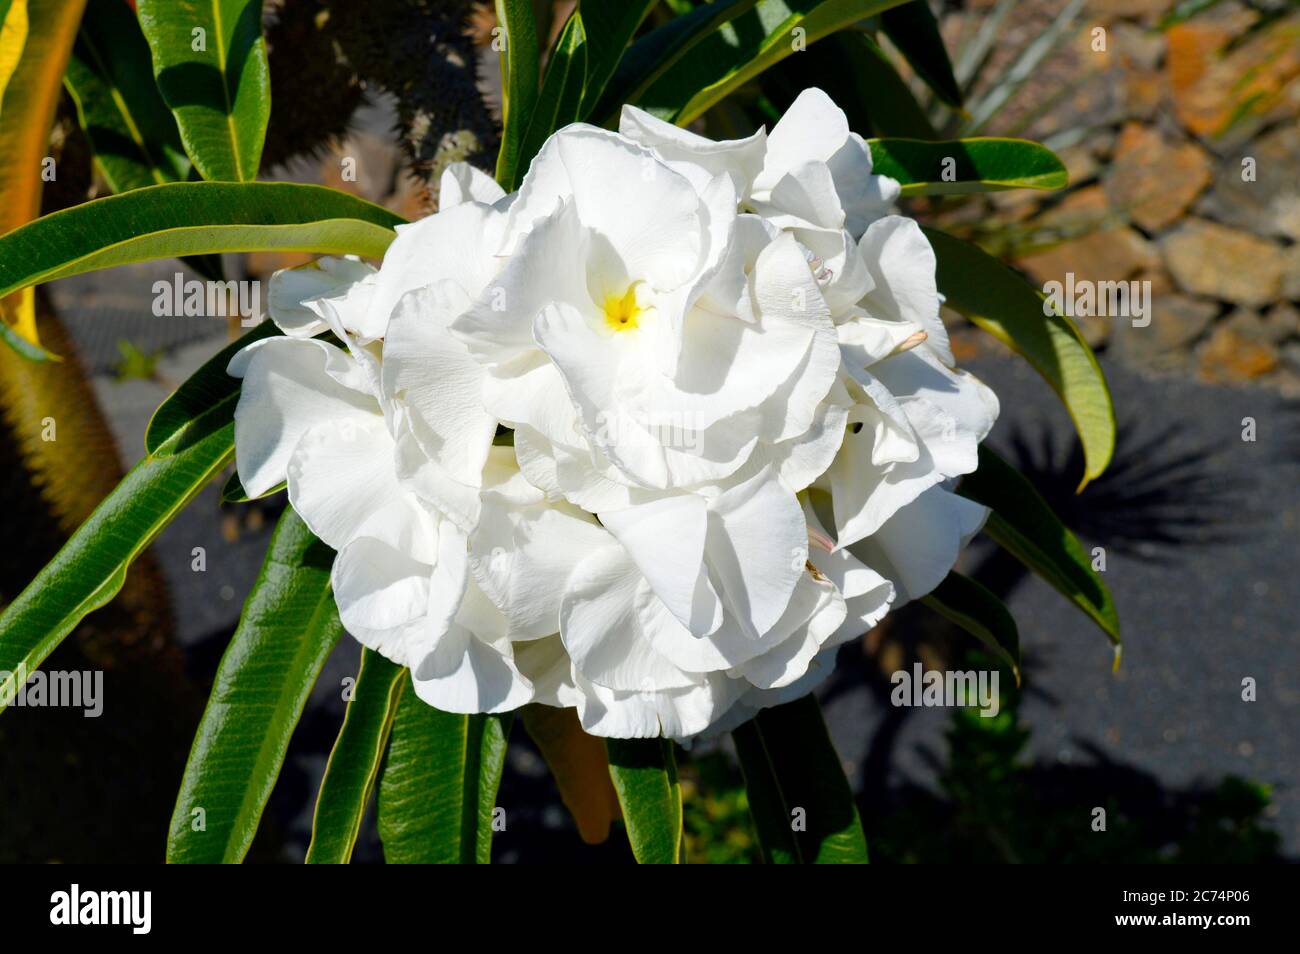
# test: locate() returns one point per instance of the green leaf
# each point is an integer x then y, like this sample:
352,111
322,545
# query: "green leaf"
644,773
913,29
220,93
205,388
872,94
793,772
192,218
659,52
965,603
1024,524
439,784
1001,302
92,566
610,25
519,76
1009,78
746,47
561,94
977,165
110,79
354,761
287,630
233,490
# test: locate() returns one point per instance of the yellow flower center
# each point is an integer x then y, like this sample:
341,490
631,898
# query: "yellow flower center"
622,313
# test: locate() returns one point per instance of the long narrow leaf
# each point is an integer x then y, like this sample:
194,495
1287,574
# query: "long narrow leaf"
913,29
288,629
967,604
192,218
800,800
658,52
1024,524
92,566
1006,306
960,166
610,25
644,772
438,791
353,766
1010,80
209,60
746,47
131,130
561,94
519,80
872,94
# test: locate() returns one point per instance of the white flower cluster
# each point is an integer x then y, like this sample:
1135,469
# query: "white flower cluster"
649,437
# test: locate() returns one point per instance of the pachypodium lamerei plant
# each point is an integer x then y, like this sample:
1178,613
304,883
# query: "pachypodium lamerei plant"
634,434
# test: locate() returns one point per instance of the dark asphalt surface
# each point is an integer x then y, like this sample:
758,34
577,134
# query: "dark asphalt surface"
1200,530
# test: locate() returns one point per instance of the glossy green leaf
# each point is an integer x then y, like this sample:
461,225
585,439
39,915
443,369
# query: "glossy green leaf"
232,491
1005,305
520,61
659,51
91,567
957,166
353,766
110,79
439,784
192,218
875,99
287,630
209,60
965,603
914,31
561,94
205,388
644,772
794,778
1025,525
610,25
744,48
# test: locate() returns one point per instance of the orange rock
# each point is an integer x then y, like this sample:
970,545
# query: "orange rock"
1213,87
1227,357
1153,180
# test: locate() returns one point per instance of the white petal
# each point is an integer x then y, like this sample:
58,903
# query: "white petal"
343,483
601,629
665,538
523,554
290,288
756,549
456,245
813,128
472,676
822,608
740,159
461,183
917,547
290,385
434,376
902,265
